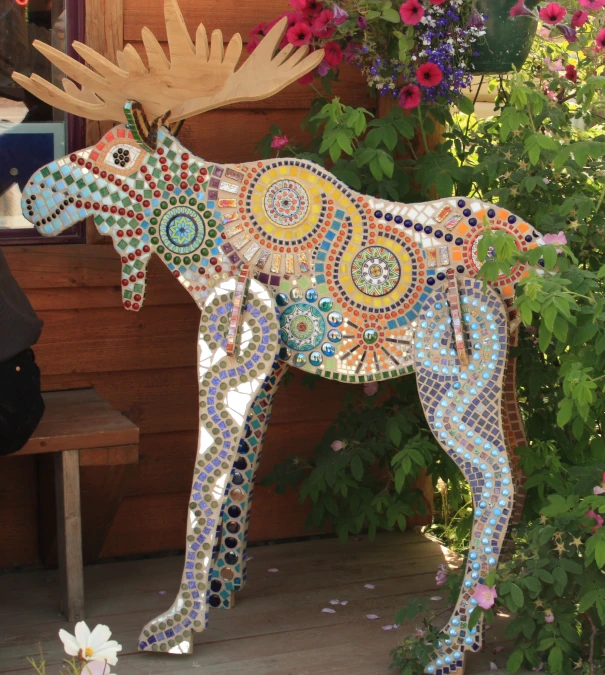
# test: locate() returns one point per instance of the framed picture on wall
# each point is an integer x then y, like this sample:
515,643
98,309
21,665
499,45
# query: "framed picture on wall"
31,132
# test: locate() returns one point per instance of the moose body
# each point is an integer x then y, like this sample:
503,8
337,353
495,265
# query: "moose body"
289,267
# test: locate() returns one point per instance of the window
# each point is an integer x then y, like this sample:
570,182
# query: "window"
31,132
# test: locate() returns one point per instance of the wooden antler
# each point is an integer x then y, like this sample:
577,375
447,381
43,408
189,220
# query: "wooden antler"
195,79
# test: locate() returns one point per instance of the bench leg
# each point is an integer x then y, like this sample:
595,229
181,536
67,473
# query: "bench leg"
69,534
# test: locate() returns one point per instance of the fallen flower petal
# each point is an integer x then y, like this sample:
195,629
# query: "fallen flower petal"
335,602
492,666
273,569
369,586
328,610
372,616
344,602
498,650
387,628
436,598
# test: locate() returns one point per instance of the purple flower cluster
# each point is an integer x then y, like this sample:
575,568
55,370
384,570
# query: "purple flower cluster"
442,39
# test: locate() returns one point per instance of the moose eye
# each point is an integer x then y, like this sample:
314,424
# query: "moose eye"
122,156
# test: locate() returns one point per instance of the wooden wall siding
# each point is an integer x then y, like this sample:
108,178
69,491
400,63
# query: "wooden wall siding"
144,364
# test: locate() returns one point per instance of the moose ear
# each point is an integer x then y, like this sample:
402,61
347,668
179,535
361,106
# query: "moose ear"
175,127
145,132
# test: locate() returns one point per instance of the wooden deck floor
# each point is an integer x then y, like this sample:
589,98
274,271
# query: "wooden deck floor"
277,626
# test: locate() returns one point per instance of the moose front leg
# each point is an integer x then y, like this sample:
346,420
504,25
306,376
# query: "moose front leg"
228,387
462,404
229,572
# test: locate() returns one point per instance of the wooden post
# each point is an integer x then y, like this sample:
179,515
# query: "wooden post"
69,534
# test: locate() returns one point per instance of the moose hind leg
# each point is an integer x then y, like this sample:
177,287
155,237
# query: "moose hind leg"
462,404
229,571
228,387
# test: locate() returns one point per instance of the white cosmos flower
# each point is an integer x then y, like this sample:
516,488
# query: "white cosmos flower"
95,646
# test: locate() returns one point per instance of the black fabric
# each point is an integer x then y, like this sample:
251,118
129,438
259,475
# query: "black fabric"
20,328
21,404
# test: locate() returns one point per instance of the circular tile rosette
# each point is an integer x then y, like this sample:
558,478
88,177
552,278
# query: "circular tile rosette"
286,203
302,327
375,271
182,230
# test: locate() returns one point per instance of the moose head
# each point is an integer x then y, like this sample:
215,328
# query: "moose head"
138,182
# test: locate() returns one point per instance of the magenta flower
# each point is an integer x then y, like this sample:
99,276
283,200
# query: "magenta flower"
370,388
485,596
279,142
340,15
520,10
592,4
323,26
299,35
476,20
553,13
429,74
549,617
441,576
323,68
436,2
362,22
351,51
337,445
579,18
411,12
600,39
409,97
333,54
598,490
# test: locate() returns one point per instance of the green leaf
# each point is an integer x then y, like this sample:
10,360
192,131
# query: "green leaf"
391,15
560,577
386,164
600,553
555,660
533,584
515,660
565,410
517,595
466,106
357,467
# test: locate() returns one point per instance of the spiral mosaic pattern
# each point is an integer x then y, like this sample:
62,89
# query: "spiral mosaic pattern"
182,230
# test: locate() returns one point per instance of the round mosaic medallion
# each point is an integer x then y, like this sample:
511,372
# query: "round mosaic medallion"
375,271
182,230
302,327
286,203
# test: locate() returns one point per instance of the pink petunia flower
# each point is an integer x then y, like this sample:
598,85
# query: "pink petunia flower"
429,74
307,7
520,10
436,2
340,15
337,445
333,54
409,97
597,517
370,388
600,39
571,73
549,617
362,22
553,13
598,490
299,35
485,596
592,4
323,68
579,18
279,142
411,12
323,26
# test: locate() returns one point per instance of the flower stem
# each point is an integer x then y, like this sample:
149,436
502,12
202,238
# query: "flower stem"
426,147
600,200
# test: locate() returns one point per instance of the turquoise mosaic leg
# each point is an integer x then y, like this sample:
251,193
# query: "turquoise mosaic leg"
228,387
462,405
229,570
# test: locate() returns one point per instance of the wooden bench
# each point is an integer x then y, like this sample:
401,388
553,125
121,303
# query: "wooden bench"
82,429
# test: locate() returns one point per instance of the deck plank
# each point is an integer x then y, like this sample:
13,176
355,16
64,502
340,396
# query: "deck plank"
277,626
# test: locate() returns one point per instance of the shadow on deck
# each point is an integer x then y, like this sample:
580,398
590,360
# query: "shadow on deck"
277,626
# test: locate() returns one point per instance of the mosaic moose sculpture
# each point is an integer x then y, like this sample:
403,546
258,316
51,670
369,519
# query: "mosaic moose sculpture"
289,267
